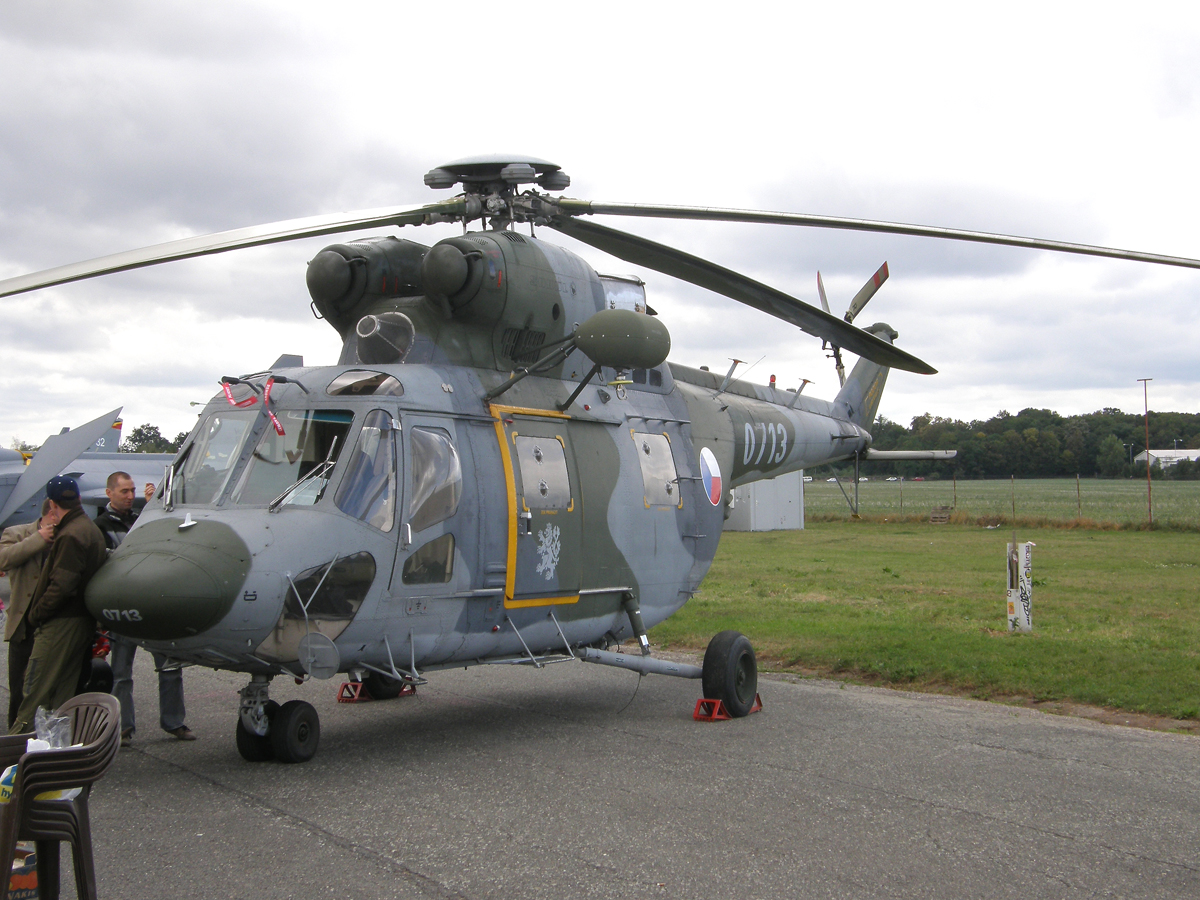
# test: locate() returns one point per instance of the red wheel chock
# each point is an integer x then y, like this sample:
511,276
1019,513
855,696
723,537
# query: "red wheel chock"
714,710
357,692
352,692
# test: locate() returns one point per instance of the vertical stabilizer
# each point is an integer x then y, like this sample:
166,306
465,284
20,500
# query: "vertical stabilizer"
861,393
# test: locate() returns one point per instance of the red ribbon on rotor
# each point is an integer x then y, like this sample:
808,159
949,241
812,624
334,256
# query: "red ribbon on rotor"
267,406
252,399
240,404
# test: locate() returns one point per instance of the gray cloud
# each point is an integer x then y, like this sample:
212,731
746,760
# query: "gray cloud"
142,122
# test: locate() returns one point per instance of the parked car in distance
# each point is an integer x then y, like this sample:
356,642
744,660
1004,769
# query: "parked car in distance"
807,479
863,478
831,481
891,478
919,478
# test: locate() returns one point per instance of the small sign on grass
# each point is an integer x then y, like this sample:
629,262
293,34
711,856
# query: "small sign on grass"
1020,586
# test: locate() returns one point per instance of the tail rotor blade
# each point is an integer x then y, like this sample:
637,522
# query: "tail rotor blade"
867,292
824,303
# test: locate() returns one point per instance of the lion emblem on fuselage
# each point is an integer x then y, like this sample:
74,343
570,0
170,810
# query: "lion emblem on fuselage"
548,548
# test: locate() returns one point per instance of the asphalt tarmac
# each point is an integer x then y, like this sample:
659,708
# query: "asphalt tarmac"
576,781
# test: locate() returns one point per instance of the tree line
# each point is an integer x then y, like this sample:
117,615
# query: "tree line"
1039,443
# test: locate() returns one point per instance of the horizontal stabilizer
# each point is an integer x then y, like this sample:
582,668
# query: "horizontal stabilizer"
909,454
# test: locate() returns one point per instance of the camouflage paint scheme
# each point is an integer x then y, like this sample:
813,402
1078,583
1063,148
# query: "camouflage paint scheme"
531,568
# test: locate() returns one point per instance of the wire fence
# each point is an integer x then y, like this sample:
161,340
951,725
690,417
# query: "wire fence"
1101,500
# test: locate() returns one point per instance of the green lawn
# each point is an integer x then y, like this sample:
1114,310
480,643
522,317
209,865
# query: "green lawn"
1118,501
1116,614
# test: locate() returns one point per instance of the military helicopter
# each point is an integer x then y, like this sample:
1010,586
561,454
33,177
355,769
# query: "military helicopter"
501,468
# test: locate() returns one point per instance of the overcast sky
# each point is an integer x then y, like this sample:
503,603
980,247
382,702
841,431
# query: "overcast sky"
126,124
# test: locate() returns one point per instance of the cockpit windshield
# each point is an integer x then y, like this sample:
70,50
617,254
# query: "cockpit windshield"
207,465
311,438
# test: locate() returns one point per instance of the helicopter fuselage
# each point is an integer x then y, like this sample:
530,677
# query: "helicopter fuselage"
425,504
445,531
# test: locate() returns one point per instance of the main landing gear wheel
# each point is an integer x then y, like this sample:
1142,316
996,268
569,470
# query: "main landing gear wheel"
730,672
295,732
253,747
380,687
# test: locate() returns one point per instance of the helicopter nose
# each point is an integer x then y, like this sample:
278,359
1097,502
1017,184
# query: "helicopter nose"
172,578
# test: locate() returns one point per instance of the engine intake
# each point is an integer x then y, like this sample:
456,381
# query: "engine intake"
342,276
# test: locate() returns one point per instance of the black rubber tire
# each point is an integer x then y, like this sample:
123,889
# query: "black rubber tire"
295,732
252,747
380,687
730,672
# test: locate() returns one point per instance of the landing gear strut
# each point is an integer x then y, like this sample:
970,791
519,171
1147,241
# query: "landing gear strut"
265,730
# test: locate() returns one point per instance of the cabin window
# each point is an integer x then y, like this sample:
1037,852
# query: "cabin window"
208,464
624,292
363,383
436,478
368,489
431,564
660,481
310,438
651,376
545,483
342,588
322,599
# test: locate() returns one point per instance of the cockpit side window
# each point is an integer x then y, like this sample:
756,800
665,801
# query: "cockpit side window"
311,437
368,490
214,451
436,479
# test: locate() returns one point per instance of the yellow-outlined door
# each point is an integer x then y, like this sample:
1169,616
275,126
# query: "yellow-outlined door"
545,515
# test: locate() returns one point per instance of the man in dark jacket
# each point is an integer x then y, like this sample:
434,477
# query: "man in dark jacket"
114,521
23,549
63,629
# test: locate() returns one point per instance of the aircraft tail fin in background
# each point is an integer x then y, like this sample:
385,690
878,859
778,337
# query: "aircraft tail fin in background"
863,389
58,452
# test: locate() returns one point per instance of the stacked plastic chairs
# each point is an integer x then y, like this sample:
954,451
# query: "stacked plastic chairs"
95,724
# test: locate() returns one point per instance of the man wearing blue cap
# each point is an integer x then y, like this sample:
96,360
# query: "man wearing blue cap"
62,627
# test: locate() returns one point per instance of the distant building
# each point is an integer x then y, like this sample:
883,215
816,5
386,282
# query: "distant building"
1167,458
776,504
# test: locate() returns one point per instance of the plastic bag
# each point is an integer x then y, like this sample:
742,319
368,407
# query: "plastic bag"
55,730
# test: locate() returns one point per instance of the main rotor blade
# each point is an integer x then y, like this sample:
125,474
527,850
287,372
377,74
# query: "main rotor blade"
586,207
866,292
692,269
255,235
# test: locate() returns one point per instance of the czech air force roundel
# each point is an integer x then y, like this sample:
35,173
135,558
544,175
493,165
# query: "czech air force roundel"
710,472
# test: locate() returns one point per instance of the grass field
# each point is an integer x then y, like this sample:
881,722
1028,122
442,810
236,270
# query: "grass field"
1116,614
1119,501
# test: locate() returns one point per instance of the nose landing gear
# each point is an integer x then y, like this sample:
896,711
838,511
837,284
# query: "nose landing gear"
265,730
